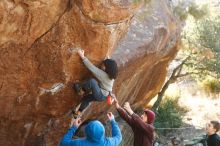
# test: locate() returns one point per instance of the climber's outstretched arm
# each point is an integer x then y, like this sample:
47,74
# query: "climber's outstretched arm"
97,72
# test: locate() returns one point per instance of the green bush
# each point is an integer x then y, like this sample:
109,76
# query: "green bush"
211,85
169,115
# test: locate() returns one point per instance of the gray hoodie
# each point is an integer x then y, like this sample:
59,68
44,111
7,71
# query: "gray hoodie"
105,82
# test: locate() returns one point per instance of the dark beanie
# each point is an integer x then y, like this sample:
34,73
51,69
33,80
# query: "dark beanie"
150,116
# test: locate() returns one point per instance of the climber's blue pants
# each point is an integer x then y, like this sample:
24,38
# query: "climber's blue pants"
92,86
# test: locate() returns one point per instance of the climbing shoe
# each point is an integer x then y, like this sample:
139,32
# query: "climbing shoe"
78,88
75,114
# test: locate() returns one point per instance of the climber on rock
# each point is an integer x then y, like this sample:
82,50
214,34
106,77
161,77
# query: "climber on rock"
96,90
95,134
142,127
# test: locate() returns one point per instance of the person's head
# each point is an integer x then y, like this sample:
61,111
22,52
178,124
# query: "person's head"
110,67
148,116
212,127
95,131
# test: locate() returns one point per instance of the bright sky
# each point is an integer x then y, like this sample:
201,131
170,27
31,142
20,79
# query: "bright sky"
198,1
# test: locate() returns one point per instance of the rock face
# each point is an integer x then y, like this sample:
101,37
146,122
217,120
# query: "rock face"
37,67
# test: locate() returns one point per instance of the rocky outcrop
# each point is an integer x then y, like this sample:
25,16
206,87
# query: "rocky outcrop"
37,66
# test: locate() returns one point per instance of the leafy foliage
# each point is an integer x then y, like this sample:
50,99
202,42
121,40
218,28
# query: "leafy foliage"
211,85
200,41
208,37
169,114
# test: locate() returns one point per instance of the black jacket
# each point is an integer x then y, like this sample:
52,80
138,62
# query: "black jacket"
213,140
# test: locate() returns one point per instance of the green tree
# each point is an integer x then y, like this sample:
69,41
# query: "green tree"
203,46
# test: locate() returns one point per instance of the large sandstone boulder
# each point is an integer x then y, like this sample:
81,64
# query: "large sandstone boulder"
37,67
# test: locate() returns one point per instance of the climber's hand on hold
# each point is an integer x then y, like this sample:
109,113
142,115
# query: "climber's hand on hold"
74,50
81,53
